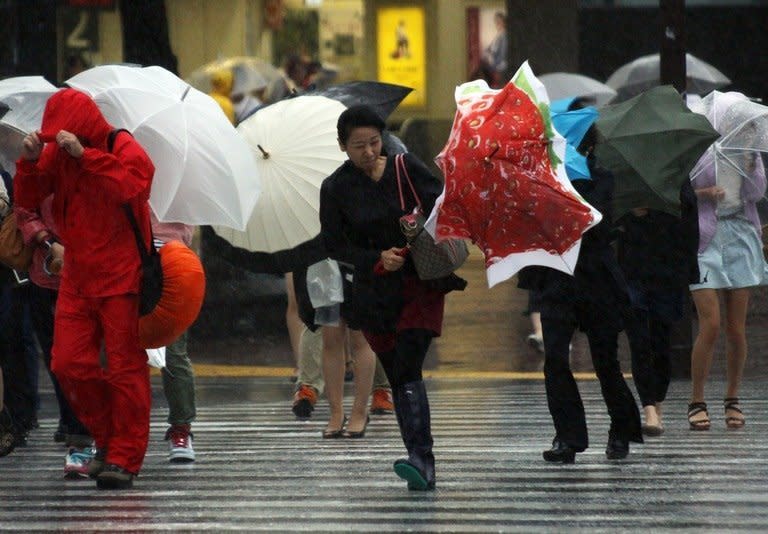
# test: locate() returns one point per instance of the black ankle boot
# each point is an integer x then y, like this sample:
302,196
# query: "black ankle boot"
560,452
412,409
7,433
617,448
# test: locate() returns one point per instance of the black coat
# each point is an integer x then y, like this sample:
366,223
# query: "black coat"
596,296
359,218
659,250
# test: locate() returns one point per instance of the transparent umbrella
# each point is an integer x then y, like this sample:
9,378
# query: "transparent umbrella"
22,101
249,73
735,161
644,72
561,85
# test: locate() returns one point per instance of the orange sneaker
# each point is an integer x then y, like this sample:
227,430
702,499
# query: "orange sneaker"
304,401
381,402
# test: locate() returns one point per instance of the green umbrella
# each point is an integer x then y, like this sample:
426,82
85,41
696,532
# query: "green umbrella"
650,143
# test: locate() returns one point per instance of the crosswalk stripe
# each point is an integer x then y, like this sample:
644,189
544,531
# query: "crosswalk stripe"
259,469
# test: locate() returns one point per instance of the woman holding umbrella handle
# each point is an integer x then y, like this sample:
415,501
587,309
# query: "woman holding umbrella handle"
398,313
730,262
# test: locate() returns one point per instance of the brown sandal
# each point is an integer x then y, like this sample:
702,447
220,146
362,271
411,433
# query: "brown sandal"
733,421
696,408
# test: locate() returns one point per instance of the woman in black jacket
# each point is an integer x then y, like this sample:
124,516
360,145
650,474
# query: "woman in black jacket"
398,313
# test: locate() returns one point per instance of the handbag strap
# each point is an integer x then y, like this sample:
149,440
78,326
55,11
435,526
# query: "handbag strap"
400,171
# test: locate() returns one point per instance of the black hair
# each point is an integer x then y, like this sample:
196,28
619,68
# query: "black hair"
357,117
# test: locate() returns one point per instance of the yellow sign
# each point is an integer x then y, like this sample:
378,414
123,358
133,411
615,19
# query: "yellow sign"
402,51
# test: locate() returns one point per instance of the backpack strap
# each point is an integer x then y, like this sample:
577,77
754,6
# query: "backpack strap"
128,211
112,136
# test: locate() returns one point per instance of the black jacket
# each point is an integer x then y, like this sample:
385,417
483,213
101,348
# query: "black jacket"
359,218
659,250
596,295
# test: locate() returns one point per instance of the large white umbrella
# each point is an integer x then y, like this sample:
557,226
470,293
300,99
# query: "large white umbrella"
22,101
644,72
295,145
569,85
205,172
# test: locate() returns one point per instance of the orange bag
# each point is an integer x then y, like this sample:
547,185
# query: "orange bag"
13,252
181,300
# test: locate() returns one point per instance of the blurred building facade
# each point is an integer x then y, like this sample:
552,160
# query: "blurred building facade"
359,38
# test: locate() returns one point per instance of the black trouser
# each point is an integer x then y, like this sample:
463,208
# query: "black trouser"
563,396
19,394
404,363
43,309
649,341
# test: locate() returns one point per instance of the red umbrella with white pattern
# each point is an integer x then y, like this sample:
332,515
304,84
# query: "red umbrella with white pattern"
505,184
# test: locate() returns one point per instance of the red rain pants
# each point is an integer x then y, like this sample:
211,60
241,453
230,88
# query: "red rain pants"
112,402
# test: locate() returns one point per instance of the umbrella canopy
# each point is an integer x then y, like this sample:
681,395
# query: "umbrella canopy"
561,85
295,147
382,97
650,143
205,172
735,158
644,72
249,74
22,101
573,125
505,185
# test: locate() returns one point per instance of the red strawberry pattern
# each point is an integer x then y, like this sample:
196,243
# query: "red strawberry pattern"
500,188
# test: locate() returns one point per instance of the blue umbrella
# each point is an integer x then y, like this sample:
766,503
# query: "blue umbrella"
573,125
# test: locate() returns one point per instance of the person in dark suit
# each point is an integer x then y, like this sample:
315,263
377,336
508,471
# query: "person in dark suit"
594,299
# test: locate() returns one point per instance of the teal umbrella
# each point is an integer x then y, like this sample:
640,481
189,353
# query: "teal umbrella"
650,143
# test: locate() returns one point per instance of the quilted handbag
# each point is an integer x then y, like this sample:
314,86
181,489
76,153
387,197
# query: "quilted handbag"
432,259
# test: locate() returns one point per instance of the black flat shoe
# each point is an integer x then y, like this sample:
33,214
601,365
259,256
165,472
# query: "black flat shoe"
617,449
560,452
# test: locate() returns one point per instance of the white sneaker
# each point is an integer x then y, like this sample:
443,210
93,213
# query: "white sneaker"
180,442
77,461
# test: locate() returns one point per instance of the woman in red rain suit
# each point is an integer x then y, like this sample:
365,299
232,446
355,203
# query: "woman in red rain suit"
98,296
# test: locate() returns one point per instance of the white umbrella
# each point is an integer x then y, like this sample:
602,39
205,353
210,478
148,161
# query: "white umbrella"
22,101
568,84
205,172
295,145
644,72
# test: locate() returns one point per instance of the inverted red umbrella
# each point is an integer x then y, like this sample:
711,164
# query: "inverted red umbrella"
505,184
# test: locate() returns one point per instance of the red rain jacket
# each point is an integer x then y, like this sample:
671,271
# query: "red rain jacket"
101,257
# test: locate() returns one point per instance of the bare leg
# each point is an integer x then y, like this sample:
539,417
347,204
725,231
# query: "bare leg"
365,365
333,372
536,324
708,312
292,320
736,301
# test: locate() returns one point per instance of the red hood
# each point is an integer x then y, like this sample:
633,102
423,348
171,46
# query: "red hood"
75,112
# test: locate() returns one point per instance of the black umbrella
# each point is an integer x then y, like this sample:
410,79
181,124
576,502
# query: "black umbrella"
382,97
